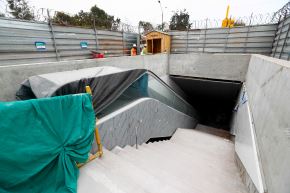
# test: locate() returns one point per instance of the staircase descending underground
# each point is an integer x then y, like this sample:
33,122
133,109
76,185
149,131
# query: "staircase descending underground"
197,160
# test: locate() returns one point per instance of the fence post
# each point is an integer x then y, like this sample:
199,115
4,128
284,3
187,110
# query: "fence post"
278,39
273,46
96,35
187,39
123,42
53,36
204,41
284,43
247,35
227,39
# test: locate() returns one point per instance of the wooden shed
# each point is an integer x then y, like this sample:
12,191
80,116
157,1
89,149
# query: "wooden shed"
157,42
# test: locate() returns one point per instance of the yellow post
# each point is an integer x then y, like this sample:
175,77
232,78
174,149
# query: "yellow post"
227,13
228,22
97,137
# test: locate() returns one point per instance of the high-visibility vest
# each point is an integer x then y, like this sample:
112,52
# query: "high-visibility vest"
133,52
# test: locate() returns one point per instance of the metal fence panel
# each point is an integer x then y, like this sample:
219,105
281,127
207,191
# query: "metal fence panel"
281,45
248,39
18,38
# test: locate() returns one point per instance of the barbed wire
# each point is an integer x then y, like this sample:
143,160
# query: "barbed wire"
41,15
253,19
283,12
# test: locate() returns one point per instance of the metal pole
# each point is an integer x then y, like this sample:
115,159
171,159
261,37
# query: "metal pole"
247,35
227,40
204,41
96,36
53,36
187,40
123,43
279,36
285,41
273,46
161,15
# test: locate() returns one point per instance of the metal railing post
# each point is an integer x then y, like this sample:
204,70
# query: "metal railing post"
204,41
123,42
187,39
96,36
247,35
53,36
285,41
278,39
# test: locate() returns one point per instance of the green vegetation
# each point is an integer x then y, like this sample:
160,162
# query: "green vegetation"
180,21
20,9
96,16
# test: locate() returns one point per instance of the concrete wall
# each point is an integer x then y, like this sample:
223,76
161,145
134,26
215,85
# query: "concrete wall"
141,120
268,86
216,66
12,76
245,145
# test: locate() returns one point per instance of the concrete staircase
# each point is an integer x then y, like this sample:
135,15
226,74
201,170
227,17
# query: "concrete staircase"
192,161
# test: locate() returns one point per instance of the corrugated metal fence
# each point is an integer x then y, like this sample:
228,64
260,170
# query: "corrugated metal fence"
281,45
18,42
18,39
249,39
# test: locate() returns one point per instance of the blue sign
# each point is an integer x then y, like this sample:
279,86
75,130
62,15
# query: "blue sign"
40,45
84,45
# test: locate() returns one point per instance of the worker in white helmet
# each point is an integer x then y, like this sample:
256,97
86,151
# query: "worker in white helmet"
134,50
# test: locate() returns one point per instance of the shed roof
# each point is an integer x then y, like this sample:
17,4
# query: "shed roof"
157,32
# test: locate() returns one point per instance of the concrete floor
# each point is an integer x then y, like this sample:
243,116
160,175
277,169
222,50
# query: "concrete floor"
193,161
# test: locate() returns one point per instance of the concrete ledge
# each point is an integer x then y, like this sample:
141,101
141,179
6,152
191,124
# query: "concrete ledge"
245,176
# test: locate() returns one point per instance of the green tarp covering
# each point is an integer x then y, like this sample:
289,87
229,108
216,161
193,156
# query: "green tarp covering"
41,141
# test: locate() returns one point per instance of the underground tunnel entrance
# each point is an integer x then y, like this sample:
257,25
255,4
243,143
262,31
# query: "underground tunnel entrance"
214,100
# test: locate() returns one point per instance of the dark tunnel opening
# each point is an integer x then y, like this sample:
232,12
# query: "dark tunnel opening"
214,100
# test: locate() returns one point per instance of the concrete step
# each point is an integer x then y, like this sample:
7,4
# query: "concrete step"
215,171
214,131
208,166
214,162
153,165
121,176
204,142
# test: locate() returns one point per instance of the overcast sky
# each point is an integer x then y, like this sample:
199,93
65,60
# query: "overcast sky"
132,11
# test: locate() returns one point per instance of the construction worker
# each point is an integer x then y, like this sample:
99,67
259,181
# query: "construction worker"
144,50
134,50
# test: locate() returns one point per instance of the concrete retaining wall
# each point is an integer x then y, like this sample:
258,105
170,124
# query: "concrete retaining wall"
12,76
216,66
268,87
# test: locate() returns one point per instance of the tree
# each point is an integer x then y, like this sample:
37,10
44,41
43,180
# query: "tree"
2,15
96,17
145,26
20,9
180,21
62,18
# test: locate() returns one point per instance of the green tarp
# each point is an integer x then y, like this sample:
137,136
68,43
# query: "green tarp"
41,140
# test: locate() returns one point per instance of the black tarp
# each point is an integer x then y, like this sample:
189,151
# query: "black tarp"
107,84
